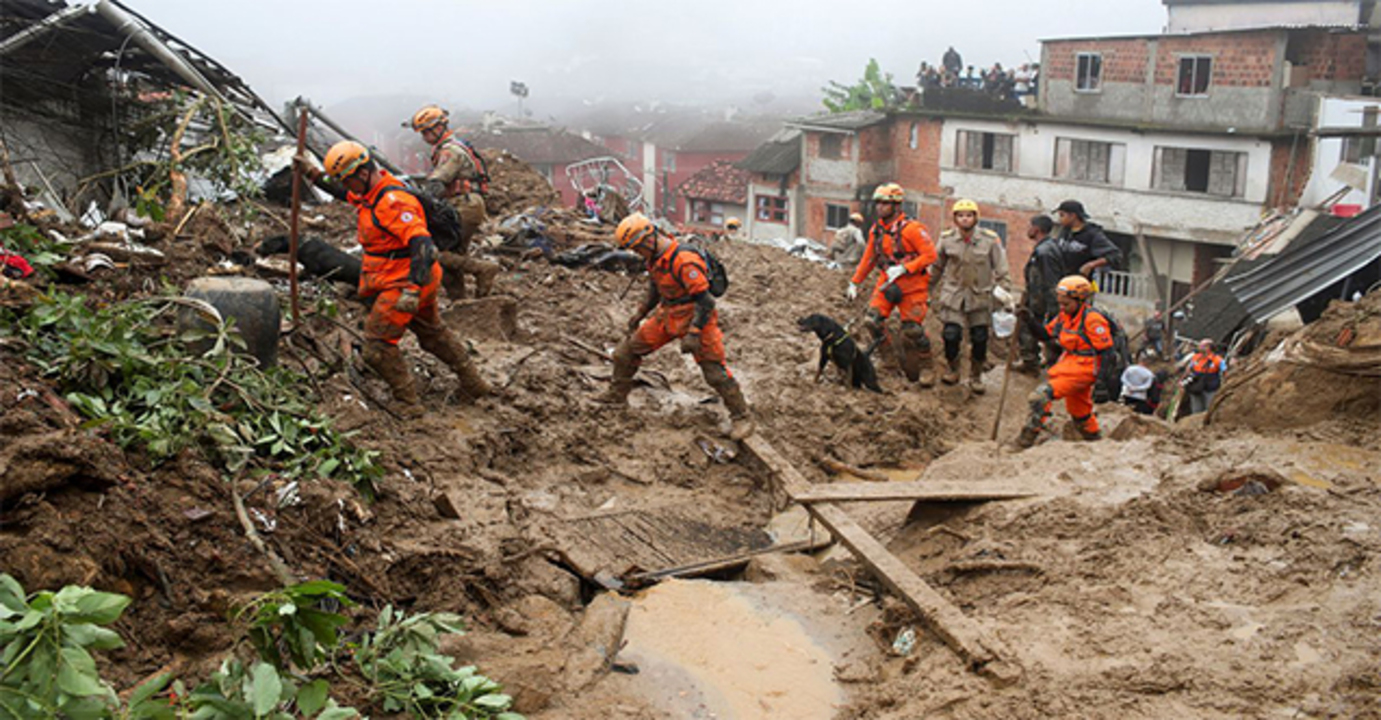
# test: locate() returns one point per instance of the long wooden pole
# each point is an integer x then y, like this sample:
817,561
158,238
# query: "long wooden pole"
295,226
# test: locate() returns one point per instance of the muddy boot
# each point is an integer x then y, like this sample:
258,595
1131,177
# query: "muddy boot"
453,275
625,366
387,360
717,376
951,375
485,274
976,379
1085,434
926,360
1027,438
449,350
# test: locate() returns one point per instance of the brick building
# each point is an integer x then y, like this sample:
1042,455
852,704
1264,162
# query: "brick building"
713,195
775,196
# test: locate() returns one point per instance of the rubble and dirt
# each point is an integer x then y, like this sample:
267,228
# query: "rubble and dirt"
1126,591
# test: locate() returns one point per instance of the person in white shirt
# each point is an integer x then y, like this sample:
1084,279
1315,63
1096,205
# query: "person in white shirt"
1137,380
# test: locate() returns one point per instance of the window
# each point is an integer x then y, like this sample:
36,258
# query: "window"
771,209
915,137
1202,171
996,226
1089,72
1090,160
836,216
985,151
669,161
1356,148
909,208
832,147
706,212
1194,74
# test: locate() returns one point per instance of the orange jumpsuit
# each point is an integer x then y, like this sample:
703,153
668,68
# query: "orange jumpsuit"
679,276
902,241
387,221
1081,337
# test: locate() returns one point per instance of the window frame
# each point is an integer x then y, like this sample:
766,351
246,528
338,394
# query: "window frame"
997,226
1114,165
1239,179
1195,59
669,161
961,151
845,210
768,207
834,141
1095,59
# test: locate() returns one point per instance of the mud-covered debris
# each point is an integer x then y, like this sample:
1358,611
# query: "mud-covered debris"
1245,481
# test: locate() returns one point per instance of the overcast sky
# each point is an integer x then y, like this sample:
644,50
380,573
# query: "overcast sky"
706,51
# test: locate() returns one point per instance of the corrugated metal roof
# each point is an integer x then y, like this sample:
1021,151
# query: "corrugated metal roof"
779,156
846,121
1305,268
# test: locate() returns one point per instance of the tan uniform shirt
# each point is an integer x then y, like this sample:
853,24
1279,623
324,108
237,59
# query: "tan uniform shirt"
848,246
964,276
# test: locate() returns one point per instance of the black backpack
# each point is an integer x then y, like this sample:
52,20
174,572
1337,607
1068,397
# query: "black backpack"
714,269
443,222
1108,386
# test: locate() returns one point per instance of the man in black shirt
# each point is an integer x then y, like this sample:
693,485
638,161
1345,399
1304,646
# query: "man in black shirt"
1083,244
1044,268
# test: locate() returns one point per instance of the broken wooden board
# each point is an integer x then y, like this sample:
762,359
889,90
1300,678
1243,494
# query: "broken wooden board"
963,635
642,541
932,490
731,562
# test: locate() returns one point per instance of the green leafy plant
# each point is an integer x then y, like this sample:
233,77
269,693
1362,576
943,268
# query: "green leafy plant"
40,251
126,369
293,619
874,91
257,692
46,668
406,673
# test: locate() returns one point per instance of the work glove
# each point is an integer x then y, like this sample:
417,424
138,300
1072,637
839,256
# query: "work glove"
1002,296
407,302
690,343
895,272
852,292
422,254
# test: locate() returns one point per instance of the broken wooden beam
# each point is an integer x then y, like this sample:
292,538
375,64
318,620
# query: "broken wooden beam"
929,490
960,633
700,569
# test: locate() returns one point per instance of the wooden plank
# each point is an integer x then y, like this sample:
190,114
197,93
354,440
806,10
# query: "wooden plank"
962,634
933,490
718,564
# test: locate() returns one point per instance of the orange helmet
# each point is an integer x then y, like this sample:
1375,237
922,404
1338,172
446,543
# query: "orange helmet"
733,223
889,192
633,230
429,116
344,158
1075,286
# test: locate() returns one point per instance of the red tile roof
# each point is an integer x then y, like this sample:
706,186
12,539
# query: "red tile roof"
542,146
718,182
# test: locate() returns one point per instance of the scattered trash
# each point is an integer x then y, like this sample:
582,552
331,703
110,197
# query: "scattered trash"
287,496
266,523
905,642
627,668
197,514
714,451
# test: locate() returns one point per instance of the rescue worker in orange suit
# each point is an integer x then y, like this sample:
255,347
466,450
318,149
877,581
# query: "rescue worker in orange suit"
457,177
681,308
399,271
1084,335
971,280
901,249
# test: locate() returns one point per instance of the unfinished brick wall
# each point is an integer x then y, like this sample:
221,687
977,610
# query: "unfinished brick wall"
917,170
1330,56
1286,191
1240,59
1124,61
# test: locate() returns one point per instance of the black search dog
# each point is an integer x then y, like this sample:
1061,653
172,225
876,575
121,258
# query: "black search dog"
318,257
836,344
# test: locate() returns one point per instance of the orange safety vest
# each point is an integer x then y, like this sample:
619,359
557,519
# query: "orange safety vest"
1207,364
905,241
1084,336
679,276
388,218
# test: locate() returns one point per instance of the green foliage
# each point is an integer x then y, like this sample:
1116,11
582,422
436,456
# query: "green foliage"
406,673
41,252
874,91
259,692
292,619
46,668
123,367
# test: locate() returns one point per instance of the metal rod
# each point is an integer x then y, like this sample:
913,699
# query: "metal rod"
127,24
374,153
296,212
21,38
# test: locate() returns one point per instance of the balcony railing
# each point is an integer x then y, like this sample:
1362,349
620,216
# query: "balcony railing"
1126,285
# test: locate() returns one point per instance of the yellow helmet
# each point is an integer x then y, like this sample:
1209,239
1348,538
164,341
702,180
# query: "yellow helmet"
964,205
889,192
344,158
733,223
633,230
429,116
1075,286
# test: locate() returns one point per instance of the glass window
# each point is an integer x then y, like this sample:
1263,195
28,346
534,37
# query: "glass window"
836,216
1089,75
985,151
771,209
1194,75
